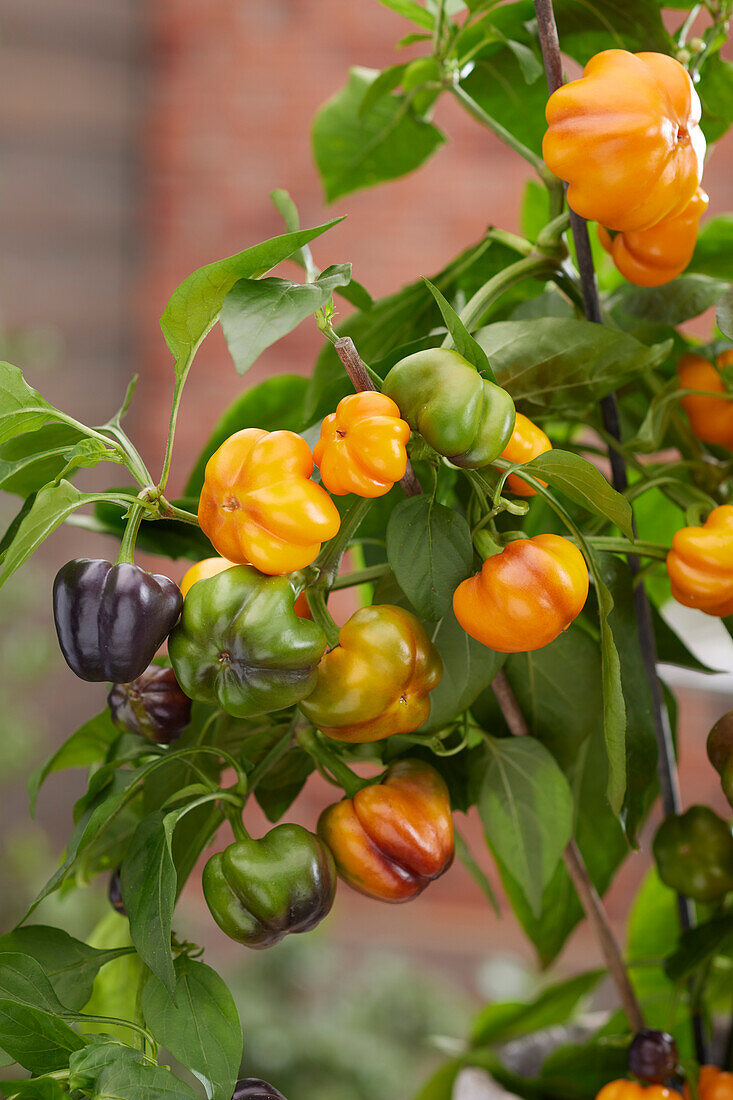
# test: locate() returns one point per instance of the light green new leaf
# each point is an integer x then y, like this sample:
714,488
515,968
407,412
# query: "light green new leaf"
201,1028
22,409
258,312
353,152
412,11
526,808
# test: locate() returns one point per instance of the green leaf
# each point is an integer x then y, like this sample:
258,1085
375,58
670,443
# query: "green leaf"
148,879
468,668
713,249
684,298
588,27
277,790
716,95
31,1027
70,965
195,305
699,946
412,11
497,83
275,403
578,1071
672,650
381,86
51,507
557,363
353,152
526,808
466,857
34,1088
87,1064
22,409
585,484
463,342
440,1084
90,744
258,312
529,63
201,1029
500,1022
116,986
430,551
24,981
125,1079
30,461
724,314
614,707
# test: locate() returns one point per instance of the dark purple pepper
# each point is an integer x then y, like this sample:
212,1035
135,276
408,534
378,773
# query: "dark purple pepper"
653,1056
114,893
153,705
251,1088
111,619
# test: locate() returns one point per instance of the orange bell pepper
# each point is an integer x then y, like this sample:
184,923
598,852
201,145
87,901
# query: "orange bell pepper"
651,257
362,447
524,596
713,1084
700,564
711,418
527,442
259,506
626,138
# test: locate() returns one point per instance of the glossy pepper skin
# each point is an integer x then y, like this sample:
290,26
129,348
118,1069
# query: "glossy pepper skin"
720,752
626,138
111,619
241,646
653,1056
525,596
252,1088
711,418
528,441
260,890
632,1090
712,1084
202,570
700,564
377,680
392,838
259,506
444,398
153,705
114,893
657,255
694,854
362,446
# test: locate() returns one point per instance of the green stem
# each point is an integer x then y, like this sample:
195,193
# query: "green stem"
83,1018
129,538
316,598
170,511
278,750
314,744
235,821
181,370
511,240
362,576
623,546
135,464
476,111
329,559
530,267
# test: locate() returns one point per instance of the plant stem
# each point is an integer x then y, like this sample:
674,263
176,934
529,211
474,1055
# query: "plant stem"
476,111
528,268
586,891
329,559
361,380
633,549
667,767
362,576
316,598
316,747
143,1032
170,511
129,538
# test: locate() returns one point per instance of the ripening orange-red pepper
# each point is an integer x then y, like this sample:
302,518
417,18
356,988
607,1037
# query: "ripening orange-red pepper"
654,256
210,567
633,1090
258,505
362,447
527,442
627,140
711,418
524,596
394,837
700,564
712,1084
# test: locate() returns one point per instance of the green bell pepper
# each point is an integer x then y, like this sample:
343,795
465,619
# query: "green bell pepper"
259,890
241,646
444,398
694,854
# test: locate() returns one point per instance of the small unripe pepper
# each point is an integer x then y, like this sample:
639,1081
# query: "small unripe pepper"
711,418
694,854
626,138
362,446
653,1056
111,619
377,680
720,752
241,646
444,398
259,506
654,256
252,1088
700,564
524,596
260,890
153,705
528,441
392,838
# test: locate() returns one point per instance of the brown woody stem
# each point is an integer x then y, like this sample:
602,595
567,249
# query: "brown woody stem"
581,880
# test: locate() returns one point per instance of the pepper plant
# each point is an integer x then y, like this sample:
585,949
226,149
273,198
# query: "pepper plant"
507,594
